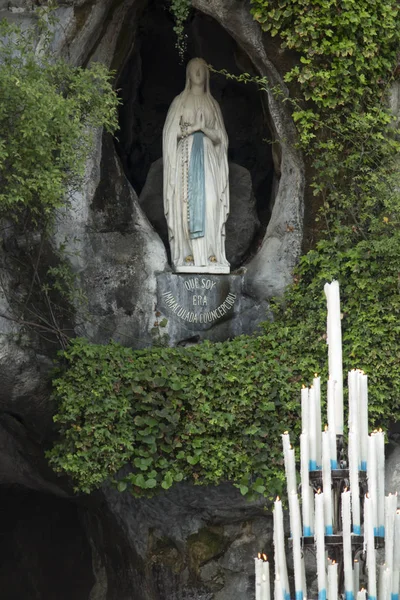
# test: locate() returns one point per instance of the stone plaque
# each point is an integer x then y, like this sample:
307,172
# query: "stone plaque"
198,302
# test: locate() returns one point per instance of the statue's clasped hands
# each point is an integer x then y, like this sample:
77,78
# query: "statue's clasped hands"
198,125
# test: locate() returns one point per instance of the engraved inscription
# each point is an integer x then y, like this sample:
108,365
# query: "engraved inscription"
193,316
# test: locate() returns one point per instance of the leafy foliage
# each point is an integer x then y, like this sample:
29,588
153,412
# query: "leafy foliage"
180,9
49,111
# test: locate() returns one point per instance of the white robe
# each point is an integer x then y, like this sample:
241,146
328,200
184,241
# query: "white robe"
175,152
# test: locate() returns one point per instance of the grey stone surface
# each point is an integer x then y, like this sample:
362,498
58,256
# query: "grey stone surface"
242,223
197,542
205,306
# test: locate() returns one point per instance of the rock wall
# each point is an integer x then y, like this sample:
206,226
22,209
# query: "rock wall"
189,542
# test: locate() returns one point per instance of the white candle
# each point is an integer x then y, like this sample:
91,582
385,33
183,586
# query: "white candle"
318,426
333,581
347,556
295,525
278,591
390,515
313,429
396,549
395,585
380,467
320,543
279,543
334,340
306,492
363,421
370,542
385,583
265,583
305,410
354,482
372,483
356,576
352,382
290,464
327,483
331,422
362,594
258,571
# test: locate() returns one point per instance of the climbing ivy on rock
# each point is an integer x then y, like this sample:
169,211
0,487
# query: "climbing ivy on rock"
215,412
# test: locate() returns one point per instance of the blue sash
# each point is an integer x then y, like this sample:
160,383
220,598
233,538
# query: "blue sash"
197,188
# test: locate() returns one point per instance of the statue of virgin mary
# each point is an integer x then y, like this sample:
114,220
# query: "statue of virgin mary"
196,186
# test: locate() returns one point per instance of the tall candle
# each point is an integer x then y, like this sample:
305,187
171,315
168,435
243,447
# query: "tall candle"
396,549
280,553
354,482
363,421
347,556
333,581
295,522
395,585
265,583
352,379
258,571
371,558
290,464
305,410
372,483
278,590
390,515
362,594
380,466
356,576
386,584
331,422
313,429
320,543
327,483
318,426
306,492
334,340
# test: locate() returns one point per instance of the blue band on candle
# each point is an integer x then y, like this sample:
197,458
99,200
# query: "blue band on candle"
286,595
334,464
376,531
394,596
371,597
312,465
329,530
356,529
299,595
322,595
364,468
349,595
381,529
307,531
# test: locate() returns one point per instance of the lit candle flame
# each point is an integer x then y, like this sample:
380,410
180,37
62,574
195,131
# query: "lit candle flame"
265,558
259,555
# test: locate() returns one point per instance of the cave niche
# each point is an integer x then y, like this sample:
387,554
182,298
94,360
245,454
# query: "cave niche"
151,78
44,552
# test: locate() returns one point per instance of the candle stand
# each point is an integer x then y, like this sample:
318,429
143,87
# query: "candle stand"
339,511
